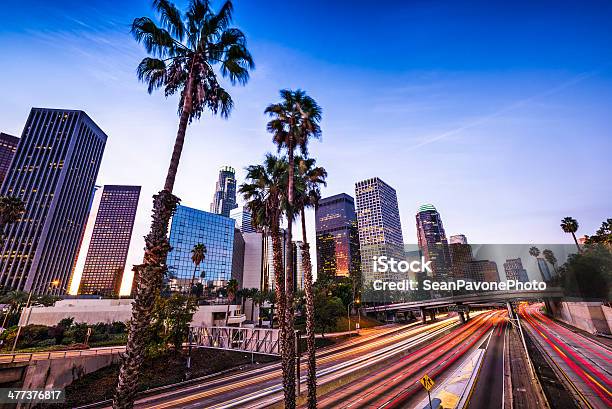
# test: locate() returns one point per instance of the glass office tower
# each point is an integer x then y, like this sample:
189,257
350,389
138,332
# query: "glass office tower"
224,199
192,226
8,146
110,240
432,240
337,237
380,228
53,172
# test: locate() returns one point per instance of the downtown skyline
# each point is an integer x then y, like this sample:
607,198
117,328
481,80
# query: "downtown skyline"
468,161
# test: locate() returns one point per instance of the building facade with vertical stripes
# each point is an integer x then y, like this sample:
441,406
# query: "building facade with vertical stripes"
110,240
53,172
8,146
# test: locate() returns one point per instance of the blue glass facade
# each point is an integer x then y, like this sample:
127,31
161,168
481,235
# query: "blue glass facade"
192,226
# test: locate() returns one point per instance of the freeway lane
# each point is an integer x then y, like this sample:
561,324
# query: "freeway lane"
489,389
262,382
585,364
396,384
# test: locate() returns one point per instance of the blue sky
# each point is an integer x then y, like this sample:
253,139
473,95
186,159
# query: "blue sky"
498,113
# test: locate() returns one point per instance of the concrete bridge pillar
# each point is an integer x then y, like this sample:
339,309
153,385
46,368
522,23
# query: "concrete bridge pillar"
432,314
467,313
423,315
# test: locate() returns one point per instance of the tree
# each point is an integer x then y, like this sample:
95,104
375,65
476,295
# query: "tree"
232,288
295,120
550,257
187,51
198,254
327,311
570,225
256,299
11,209
308,179
263,191
534,251
602,236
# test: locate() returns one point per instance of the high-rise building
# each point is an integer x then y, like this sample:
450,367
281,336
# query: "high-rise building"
544,269
458,239
8,146
243,219
461,255
252,274
238,258
432,240
110,240
192,226
482,270
379,225
53,173
224,200
514,270
337,237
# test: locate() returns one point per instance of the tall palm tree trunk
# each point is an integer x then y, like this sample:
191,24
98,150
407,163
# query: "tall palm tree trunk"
279,294
149,276
195,269
311,378
289,289
576,241
150,273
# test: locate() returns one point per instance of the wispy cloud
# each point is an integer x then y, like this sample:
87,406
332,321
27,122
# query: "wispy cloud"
517,104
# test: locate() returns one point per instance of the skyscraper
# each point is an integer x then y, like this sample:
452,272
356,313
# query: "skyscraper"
432,240
482,270
192,226
544,269
268,272
298,267
53,172
8,146
458,239
110,240
380,228
224,200
514,270
337,237
461,255
243,219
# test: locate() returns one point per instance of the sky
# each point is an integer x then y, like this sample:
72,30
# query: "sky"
498,113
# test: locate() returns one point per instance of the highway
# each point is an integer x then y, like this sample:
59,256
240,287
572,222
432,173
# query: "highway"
261,387
489,388
584,364
395,385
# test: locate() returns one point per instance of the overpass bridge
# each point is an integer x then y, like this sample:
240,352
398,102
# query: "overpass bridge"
463,302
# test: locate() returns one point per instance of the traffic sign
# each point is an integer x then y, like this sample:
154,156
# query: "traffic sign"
427,383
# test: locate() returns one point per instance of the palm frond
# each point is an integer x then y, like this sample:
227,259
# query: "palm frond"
156,40
152,71
170,17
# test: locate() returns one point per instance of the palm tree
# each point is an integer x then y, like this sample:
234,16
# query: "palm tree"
187,50
263,191
232,288
11,209
550,257
308,179
294,121
570,225
257,297
198,254
535,252
14,299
